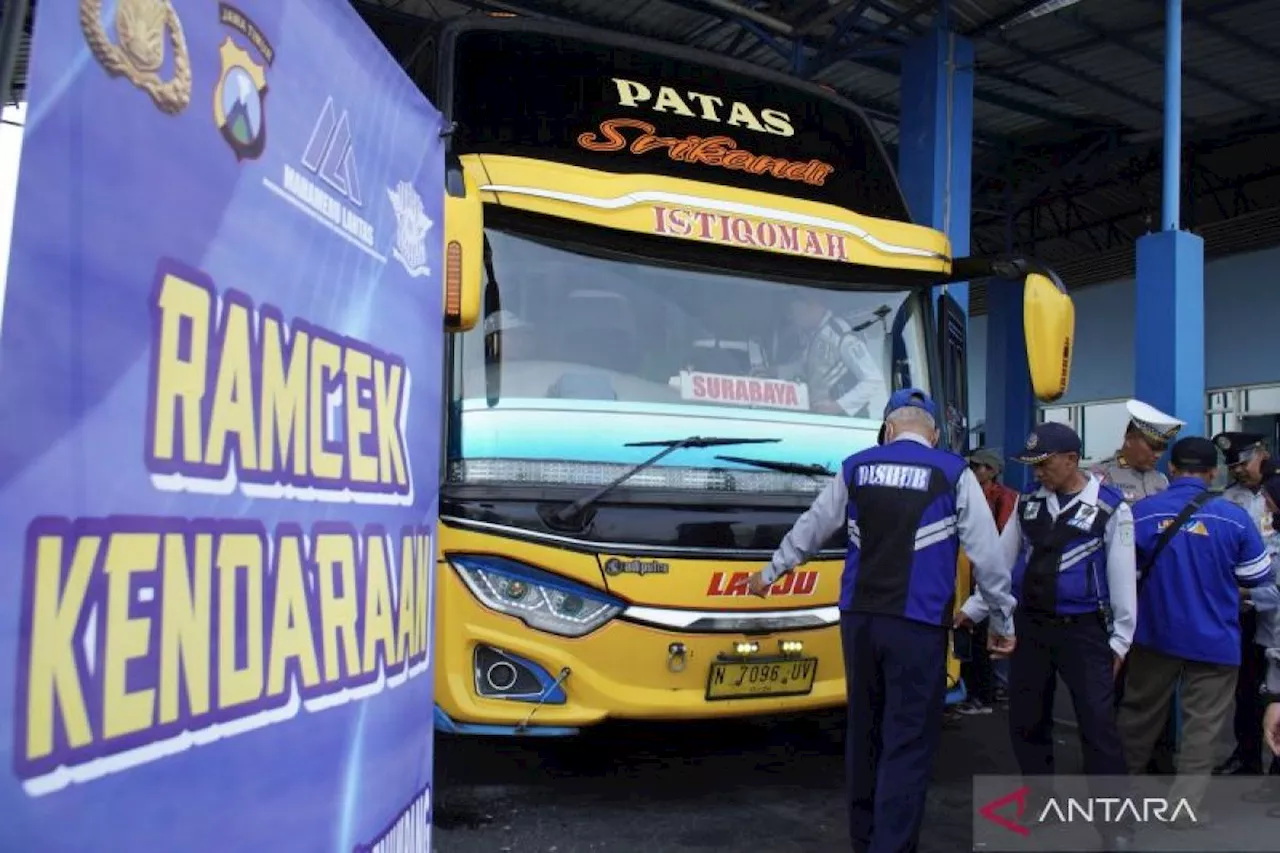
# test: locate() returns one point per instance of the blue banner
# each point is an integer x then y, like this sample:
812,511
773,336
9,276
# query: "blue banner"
220,372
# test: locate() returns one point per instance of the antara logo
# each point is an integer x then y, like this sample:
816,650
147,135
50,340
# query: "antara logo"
735,584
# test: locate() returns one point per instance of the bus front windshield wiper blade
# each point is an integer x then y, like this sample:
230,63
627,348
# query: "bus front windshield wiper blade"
802,468
574,510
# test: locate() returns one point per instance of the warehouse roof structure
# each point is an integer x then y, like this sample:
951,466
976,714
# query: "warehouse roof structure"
1068,102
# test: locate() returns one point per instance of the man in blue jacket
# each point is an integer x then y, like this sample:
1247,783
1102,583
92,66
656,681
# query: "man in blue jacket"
1196,553
908,507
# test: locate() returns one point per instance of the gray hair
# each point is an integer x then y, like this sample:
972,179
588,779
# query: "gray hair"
912,419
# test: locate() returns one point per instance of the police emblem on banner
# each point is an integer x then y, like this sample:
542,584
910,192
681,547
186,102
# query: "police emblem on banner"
412,225
142,29
240,96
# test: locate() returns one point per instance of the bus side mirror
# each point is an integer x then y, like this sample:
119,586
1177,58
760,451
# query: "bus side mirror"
1048,323
463,248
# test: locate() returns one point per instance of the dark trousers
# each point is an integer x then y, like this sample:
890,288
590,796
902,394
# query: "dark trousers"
979,674
1247,721
1076,649
895,670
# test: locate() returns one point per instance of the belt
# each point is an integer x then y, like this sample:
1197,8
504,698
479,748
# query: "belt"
1061,618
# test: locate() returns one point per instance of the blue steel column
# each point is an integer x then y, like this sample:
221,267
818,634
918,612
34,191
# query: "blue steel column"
1169,312
1010,401
935,140
1169,308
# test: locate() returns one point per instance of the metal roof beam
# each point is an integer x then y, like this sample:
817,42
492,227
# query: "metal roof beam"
1200,16
1001,21
877,64
1086,174
760,23
994,73
827,53
1157,24
1149,208
1120,40
833,11
1071,71
1046,180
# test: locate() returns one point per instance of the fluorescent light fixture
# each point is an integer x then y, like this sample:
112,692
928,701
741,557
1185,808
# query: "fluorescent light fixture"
1046,8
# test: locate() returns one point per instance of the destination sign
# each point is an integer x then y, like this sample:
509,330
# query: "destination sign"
598,101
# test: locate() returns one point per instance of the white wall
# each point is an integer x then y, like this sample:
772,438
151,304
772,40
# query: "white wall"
10,152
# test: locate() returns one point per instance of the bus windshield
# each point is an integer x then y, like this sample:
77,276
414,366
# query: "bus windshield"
606,350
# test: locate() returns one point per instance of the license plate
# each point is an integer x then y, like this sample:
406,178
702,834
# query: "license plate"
761,679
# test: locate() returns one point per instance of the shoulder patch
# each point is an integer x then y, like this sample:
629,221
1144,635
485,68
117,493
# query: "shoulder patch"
1125,533
1110,495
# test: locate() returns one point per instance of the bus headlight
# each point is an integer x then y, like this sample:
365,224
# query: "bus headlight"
539,599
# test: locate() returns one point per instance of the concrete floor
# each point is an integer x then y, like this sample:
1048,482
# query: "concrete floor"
769,786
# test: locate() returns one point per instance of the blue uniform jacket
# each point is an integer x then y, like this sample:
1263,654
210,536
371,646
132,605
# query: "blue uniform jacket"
1190,606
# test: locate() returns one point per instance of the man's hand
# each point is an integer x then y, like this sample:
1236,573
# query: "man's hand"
999,645
757,586
828,407
962,621
1271,727
1116,662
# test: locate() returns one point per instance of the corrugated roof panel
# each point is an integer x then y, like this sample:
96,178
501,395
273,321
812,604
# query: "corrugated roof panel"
1238,50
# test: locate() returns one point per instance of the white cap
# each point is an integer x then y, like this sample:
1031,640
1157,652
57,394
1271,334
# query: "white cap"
1153,423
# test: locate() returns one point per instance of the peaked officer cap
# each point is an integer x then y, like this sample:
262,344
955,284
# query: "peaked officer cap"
1153,424
1047,439
1235,444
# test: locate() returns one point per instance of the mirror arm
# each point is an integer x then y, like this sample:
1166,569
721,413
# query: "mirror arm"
1010,268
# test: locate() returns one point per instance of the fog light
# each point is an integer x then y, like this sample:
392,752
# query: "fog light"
791,647
747,648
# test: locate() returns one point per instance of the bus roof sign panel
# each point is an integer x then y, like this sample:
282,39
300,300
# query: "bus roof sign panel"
648,109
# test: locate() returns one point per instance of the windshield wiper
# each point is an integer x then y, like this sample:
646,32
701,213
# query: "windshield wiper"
803,468
669,446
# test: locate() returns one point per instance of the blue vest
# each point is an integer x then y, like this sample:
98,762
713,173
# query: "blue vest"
1062,566
903,544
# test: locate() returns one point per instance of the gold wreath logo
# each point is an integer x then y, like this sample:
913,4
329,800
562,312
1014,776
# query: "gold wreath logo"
141,27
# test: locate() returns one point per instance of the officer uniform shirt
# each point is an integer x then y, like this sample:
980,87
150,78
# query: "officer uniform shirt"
1133,484
1159,429
1097,565
1190,605
905,505
1233,446
839,366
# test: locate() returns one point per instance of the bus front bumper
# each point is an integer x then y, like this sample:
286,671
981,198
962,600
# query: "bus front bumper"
623,671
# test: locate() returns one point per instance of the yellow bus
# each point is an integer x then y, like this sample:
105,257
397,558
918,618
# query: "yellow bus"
640,242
